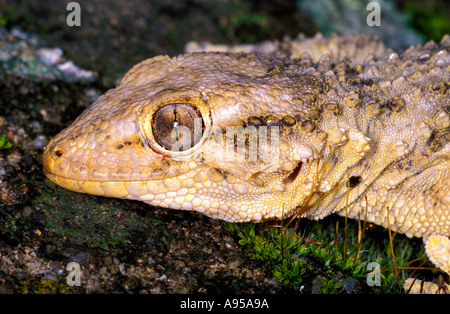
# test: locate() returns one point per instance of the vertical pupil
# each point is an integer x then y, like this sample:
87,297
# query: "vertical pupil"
177,123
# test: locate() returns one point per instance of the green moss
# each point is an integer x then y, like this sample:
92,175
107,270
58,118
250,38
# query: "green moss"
44,286
285,255
432,21
329,287
14,226
3,20
245,22
279,257
4,142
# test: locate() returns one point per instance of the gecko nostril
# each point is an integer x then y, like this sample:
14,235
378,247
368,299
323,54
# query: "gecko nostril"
58,153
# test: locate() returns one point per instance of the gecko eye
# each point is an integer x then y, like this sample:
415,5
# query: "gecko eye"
178,126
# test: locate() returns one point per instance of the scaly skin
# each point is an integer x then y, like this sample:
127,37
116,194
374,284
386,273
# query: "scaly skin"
386,120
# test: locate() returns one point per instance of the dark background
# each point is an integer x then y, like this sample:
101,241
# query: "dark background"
117,34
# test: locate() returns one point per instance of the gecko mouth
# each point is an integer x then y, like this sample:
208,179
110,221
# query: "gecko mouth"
119,189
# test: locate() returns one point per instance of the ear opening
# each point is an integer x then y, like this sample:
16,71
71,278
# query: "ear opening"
294,174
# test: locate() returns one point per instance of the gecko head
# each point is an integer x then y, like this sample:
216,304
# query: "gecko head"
227,135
